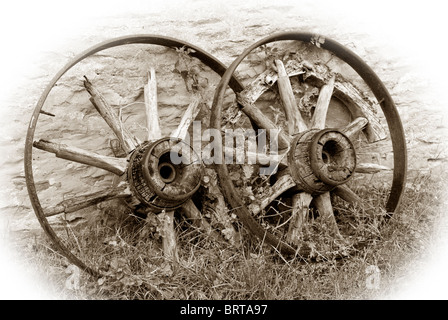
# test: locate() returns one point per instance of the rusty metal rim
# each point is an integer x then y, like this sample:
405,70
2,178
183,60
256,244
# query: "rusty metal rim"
202,55
376,86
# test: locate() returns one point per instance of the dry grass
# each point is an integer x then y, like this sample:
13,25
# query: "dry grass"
135,269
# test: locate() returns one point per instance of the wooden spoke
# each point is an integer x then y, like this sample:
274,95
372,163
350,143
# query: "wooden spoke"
293,116
63,151
346,194
301,202
357,105
194,215
355,127
284,183
262,121
187,118
151,109
169,238
371,168
87,200
127,140
257,87
323,102
325,209
296,124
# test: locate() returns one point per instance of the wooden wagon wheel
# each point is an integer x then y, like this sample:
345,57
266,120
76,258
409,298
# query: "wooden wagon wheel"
316,161
144,173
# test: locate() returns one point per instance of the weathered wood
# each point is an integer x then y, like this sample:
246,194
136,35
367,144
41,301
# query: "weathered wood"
344,91
63,151
127,140
301,202
346,194
262,121
370,168
267,79
348,94
355,127
87,200
323,205
284,183
219,210
292,112
356,103
151,108
194,215
187,118
323,102
169,238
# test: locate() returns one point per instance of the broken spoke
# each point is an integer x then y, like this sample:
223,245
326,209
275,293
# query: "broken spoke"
355,127
284,183
187,118
127,140
87,200
63,151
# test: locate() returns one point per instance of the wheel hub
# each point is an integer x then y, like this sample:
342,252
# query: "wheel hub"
320,160
162,177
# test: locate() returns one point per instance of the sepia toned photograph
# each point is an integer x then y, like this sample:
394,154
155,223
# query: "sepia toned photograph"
223,151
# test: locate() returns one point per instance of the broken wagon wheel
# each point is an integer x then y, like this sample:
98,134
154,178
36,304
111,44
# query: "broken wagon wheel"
142,171
318,159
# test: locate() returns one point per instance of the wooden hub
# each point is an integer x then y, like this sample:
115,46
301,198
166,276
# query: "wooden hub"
161,177
320,160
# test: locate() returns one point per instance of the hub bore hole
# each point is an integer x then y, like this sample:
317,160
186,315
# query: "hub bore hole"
331,152
167,172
